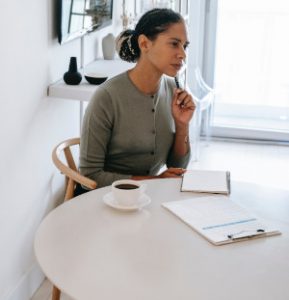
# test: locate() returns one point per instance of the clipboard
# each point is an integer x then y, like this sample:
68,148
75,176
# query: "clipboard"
220,220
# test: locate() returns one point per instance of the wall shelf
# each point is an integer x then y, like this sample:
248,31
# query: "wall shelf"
85,90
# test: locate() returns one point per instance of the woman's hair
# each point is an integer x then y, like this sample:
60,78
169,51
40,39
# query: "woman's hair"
151,24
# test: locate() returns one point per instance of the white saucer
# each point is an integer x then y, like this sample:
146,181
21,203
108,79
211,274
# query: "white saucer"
109,200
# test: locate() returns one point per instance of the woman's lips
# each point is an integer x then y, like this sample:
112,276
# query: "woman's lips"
177,66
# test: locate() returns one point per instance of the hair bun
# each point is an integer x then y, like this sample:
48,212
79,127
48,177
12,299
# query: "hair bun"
121,38
151,24
126,46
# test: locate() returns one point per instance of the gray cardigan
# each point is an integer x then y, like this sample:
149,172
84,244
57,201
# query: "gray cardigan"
127,133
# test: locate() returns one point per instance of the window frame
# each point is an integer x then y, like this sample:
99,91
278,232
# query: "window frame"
203,31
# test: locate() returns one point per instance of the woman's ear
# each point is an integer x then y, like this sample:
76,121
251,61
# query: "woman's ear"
144,43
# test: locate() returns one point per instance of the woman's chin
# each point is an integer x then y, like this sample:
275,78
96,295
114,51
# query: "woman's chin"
171,73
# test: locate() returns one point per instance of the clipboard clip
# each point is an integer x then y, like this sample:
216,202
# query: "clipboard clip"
244,234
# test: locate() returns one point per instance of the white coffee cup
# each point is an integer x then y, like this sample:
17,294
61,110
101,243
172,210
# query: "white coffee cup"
127,192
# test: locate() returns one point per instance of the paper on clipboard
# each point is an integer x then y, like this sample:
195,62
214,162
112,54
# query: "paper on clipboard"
219,219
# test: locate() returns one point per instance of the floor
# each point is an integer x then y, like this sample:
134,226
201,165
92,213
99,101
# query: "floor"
248,162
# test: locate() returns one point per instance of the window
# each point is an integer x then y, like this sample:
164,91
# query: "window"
245,56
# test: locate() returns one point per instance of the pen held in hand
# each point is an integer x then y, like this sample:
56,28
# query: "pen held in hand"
181,105
177,82
178,87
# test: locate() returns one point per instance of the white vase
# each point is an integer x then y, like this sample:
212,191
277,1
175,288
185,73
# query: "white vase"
108,46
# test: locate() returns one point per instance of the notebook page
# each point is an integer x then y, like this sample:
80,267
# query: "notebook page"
207,181
216,217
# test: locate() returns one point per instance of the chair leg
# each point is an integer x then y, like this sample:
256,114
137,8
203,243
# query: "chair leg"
207,126
69,193
55,293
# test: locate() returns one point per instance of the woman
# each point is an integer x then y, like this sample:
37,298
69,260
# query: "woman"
138,121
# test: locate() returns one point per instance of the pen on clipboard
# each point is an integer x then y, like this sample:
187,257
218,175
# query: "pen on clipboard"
246,234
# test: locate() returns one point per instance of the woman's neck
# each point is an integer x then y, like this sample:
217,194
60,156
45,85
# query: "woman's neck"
145,78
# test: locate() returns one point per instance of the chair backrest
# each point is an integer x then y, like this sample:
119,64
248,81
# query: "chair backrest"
202,93
200,80
69,168
204,97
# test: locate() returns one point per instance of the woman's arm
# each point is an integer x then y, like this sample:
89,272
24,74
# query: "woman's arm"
181,141
96,134
183,109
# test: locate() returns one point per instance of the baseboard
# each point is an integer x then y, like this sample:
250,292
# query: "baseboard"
27,285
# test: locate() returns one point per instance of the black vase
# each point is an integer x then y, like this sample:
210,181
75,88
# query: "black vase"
72,76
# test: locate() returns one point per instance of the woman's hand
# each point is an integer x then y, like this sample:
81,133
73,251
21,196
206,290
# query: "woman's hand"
183,107
172,173
168,173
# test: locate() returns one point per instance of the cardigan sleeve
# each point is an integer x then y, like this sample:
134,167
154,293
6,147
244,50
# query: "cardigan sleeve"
175,161
96,133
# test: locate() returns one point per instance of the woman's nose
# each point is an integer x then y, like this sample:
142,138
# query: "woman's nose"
182,53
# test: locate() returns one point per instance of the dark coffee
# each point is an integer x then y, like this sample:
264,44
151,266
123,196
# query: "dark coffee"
127,186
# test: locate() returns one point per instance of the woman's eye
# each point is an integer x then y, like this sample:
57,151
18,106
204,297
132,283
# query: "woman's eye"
174,44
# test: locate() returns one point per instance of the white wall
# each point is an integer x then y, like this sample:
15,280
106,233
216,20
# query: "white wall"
31,124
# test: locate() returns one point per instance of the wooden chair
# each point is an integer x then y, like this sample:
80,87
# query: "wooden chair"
72,175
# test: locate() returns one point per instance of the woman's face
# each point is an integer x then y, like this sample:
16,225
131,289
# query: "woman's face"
167,52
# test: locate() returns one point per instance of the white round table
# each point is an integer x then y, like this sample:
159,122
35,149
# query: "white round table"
92,251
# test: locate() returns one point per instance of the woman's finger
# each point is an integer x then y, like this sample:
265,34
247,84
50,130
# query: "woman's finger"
176,95
181,97
176,171
187,102
172,173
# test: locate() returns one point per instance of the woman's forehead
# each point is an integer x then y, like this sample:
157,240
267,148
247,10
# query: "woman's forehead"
176,31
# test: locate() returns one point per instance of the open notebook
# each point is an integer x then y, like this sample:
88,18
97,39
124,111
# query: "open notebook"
206,181
219,220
